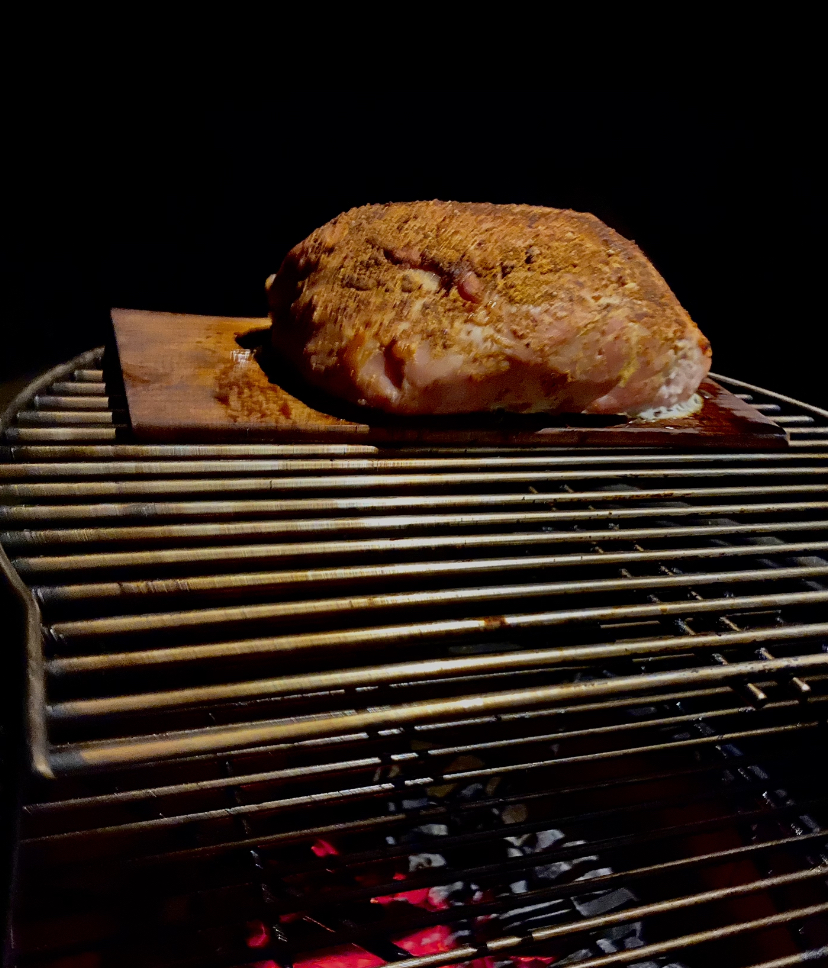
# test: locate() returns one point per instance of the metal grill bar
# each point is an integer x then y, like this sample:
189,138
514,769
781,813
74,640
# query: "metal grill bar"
180,789
662,907
465,595
63,388
367,481
175,699
48,564
243,779
604,844
343,678
798,404
53,403
38,434
664,947
346,766
208,509
409,456
158,656
340,797
262,581
516,942
47,402
128,452
75,418
299,463
649,749
131,749
804,957
173,532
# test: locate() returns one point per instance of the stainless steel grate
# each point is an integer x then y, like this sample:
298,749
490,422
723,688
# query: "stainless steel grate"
276,674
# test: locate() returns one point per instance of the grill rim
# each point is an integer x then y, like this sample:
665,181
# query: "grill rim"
37,746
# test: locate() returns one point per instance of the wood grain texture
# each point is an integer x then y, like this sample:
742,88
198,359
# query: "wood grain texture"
213,378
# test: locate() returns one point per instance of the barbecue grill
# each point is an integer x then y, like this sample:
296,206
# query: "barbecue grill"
341,706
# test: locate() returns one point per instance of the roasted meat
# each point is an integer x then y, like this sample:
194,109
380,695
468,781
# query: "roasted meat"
446,307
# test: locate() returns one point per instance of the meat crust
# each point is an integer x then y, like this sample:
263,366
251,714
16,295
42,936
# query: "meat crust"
446,307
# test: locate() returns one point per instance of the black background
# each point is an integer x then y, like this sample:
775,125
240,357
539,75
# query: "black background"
188,203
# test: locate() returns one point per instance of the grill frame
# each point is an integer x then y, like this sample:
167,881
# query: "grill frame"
767,675
82,372
35,705
83,369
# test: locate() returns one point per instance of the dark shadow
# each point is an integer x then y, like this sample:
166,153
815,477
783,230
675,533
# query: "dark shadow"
282,374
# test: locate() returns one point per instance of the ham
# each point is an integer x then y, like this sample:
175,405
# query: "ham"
446,307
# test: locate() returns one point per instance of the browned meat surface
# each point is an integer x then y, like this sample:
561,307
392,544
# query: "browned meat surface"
444,307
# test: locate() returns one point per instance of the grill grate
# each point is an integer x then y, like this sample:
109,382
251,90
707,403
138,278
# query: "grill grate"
425,706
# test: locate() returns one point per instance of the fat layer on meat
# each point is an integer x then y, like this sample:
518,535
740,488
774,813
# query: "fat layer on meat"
447,307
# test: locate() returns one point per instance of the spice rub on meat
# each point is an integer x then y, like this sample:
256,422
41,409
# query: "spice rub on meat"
446,307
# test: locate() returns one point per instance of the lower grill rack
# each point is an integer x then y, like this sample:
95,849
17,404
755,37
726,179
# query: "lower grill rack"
675,828
336,707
